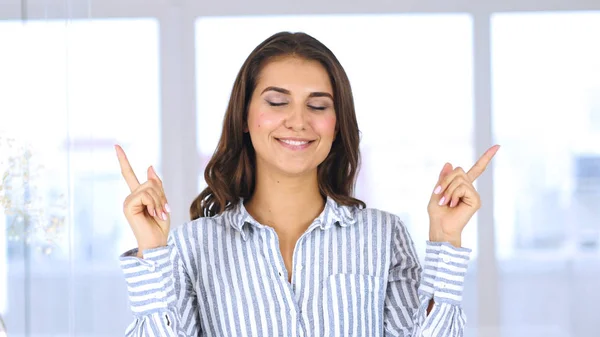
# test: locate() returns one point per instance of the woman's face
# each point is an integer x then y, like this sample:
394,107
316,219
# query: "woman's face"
291,117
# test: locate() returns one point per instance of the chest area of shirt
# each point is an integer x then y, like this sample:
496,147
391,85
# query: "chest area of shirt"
322,298
339,258
339,276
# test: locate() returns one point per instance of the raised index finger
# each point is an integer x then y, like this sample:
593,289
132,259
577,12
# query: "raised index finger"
482,163
126,169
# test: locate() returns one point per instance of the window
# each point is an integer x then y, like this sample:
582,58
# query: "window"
69,92
546,84
546,79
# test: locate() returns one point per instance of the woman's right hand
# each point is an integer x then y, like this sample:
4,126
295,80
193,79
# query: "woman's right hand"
146,208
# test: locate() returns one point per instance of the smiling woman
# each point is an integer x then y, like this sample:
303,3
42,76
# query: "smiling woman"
295,91
278,245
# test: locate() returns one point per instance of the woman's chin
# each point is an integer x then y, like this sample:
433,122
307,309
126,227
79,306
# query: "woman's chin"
297,170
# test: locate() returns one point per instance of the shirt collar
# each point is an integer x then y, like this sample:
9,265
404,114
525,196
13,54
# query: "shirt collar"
332,214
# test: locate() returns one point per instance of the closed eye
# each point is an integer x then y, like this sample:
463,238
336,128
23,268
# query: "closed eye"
276,104
310,106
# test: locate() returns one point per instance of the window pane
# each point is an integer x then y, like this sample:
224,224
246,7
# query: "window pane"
69,92
546,114
411,77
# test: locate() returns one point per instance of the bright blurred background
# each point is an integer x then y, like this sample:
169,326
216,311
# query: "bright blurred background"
434,81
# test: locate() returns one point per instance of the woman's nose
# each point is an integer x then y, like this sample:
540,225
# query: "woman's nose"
296,118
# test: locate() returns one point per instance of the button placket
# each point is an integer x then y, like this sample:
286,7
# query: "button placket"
280,266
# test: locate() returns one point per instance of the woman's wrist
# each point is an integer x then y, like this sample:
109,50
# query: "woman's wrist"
142,248
454,240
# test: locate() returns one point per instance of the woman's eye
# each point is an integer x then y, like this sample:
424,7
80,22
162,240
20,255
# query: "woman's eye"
276,103
317,107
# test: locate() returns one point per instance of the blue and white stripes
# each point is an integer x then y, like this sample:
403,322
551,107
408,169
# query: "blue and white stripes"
355,273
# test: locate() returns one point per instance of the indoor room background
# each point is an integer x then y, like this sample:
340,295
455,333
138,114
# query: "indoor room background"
433,81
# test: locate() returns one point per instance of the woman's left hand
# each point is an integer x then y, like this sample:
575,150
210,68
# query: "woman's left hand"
455,200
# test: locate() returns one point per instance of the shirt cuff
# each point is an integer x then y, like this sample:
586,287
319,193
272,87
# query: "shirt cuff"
149,280
444,272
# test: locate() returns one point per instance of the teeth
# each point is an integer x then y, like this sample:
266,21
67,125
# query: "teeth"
294,142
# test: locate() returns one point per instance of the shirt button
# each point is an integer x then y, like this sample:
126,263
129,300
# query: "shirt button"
300,267
426,333
446,259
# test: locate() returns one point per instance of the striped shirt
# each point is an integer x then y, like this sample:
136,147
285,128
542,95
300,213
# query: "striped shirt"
355,272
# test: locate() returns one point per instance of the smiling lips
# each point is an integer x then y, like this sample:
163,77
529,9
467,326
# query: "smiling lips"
294,144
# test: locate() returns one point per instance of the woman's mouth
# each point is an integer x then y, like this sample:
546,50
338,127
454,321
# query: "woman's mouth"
294,144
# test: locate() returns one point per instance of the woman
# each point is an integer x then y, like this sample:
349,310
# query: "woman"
278,246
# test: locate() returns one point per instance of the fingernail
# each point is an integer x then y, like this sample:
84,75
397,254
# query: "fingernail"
438,189
167,208
442,201
153,212
164,216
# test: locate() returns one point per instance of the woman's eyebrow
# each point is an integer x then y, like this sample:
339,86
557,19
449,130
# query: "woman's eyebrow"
287,92
320,94
278,89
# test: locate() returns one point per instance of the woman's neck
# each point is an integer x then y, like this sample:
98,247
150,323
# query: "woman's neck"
288,204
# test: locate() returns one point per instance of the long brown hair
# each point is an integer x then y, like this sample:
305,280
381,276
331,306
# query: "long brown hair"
230,173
